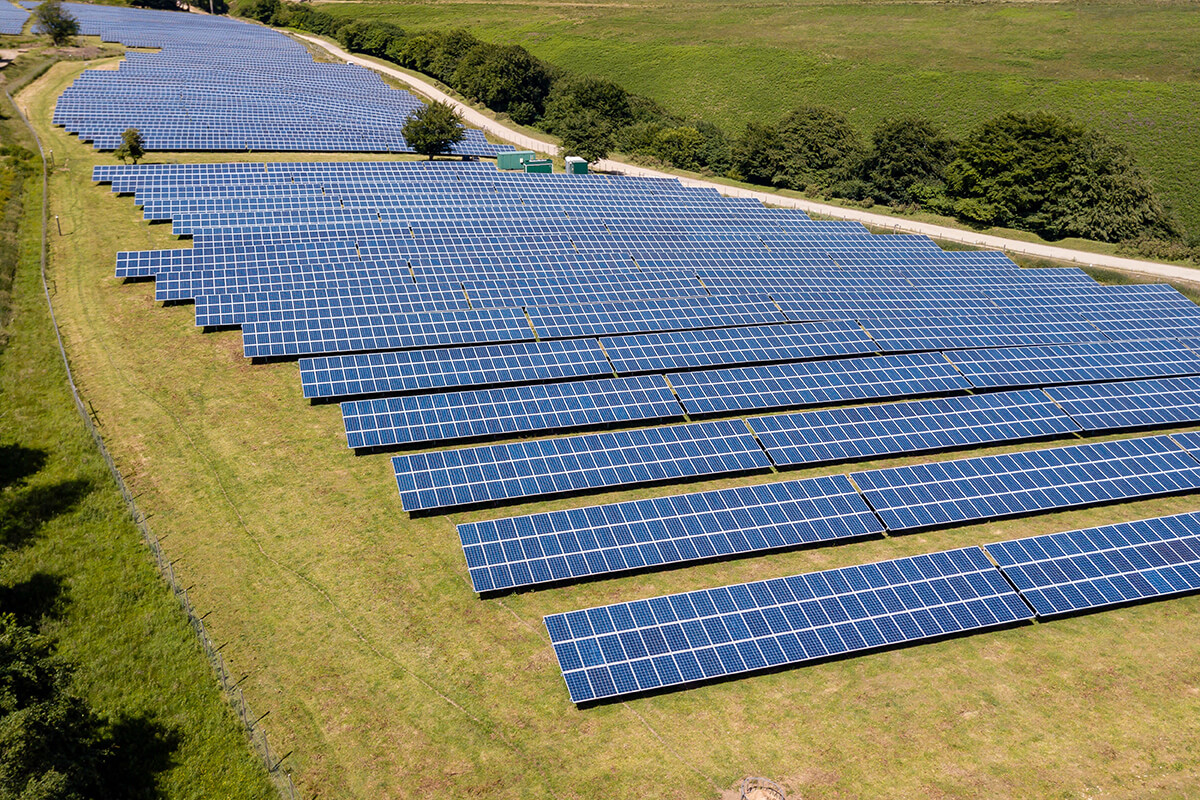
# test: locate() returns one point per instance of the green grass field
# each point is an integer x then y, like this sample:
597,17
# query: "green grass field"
385,676
73,564
1128,67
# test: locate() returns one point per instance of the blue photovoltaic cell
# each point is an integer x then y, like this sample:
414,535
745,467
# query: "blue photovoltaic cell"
595,319
1083,363
519,409
1064,572
1131,404
1020,483
447,478
383,331
816,383
896,335
680,639
426,370
840,434
1188,441
564,545
659,352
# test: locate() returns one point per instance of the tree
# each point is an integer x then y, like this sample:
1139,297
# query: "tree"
1047,174
817,146
757,153
587,135
578,94
131,146
431,130
683,147
53,20
904,154
506,79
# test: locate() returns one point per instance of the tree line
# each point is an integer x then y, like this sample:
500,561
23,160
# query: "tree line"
1032,171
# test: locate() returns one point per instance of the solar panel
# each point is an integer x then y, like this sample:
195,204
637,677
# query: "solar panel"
1189,442
493,412
1083,363
681,639
426,370
816,383
1131,404
995,486
896,335
663,314
842,434
659,352
565,545
1061,573
449,478
315,335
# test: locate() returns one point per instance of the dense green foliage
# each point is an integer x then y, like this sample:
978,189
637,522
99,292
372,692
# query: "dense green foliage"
1047,174
1058,179
432,129
132,147
907,161
56,22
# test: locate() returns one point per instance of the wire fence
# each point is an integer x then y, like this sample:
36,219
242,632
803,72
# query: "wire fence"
281,778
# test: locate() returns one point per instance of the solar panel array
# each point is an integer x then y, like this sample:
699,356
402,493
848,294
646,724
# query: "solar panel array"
1063,573
218,83
989,487
447,478
600,540
842,434
646,645
1133,404
445,303
12,18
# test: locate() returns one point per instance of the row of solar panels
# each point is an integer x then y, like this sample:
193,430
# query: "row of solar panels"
490,474
648,645
481,413
563,546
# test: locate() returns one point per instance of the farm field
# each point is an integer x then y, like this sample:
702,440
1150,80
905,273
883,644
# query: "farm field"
385,675
1127,67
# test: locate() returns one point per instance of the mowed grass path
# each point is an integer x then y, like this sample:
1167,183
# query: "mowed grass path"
387,677
1127,67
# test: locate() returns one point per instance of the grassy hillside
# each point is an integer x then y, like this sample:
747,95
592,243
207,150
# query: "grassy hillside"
1128,67
73,565
387,677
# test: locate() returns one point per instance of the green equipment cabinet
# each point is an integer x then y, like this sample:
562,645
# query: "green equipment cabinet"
539,166
576,166
514,160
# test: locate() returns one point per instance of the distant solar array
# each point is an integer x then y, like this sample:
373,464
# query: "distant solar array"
218,83
597,319
12,18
